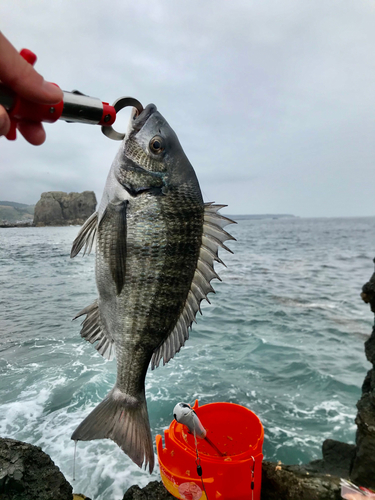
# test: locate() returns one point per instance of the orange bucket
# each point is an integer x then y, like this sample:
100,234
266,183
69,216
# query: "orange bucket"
238,434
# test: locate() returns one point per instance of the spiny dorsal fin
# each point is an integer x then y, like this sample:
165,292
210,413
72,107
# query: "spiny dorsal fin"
86,236
212,238
92,331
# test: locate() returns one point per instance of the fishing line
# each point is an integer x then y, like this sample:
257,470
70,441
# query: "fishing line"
198,462
74,460
252,479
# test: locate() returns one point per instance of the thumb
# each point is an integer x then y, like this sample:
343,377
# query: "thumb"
21,77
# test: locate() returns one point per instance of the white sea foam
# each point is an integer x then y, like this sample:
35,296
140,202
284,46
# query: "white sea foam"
22,414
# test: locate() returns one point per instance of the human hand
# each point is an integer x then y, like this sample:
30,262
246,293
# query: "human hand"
21,77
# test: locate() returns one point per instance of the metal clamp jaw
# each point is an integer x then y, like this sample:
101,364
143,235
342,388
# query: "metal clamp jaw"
121,103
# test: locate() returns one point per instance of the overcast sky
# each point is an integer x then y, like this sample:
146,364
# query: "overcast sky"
273,100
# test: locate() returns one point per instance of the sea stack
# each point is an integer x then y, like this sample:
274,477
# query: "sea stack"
56,208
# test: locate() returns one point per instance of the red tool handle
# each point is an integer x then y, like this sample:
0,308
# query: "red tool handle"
22,109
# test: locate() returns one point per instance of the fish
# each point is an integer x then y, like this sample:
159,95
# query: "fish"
155,245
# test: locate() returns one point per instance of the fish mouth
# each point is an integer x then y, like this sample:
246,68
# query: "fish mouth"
139,120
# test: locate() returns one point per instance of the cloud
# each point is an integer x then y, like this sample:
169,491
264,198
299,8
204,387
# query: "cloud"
272,101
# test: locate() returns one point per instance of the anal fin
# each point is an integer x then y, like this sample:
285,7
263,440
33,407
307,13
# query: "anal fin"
93,332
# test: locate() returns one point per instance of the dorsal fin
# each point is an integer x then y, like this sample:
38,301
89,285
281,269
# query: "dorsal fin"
212,238
86,236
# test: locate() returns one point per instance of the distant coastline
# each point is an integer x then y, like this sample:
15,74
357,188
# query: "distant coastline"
19,214
16,224
261,216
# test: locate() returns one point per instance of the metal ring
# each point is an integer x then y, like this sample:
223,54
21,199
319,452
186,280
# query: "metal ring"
120,103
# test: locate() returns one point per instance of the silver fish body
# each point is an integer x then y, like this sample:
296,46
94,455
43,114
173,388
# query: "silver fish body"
155,245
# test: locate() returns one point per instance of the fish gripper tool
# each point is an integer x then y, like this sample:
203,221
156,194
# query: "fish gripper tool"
75,107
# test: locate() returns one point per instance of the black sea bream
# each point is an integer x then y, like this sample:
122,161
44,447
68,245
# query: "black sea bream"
155,242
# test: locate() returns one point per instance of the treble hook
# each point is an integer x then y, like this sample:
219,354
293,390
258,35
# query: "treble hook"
120,103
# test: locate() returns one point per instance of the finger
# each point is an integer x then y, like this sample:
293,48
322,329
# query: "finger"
33,132
20,76
4,122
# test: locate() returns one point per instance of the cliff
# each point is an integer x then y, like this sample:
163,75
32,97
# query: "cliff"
56,208
364,462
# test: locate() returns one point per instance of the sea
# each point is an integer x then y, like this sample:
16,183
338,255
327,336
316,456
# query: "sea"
284,336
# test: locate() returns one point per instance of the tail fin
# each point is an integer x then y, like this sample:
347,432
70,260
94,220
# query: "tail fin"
123,419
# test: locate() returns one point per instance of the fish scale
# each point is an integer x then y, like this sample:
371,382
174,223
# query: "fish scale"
156,242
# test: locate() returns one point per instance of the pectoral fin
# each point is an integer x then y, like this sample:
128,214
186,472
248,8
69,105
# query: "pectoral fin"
86,236
112,241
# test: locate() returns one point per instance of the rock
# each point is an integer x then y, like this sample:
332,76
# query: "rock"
363,470
370,348
27,473
295,482
337,459
368,292
56,208
153,491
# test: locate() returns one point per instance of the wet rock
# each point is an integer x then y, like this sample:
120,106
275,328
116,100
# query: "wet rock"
294,482
368,292
56,208
153,491
337,459
370,348
27,473
363,470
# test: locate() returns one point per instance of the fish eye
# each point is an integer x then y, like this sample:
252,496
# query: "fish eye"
157,144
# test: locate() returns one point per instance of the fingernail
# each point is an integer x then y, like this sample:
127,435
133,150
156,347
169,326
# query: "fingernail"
53,91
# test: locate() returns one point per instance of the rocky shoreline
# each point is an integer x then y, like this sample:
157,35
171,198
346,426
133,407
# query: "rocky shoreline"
17,224
27,473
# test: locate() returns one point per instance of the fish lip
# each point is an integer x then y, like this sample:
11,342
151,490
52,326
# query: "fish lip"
140,121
